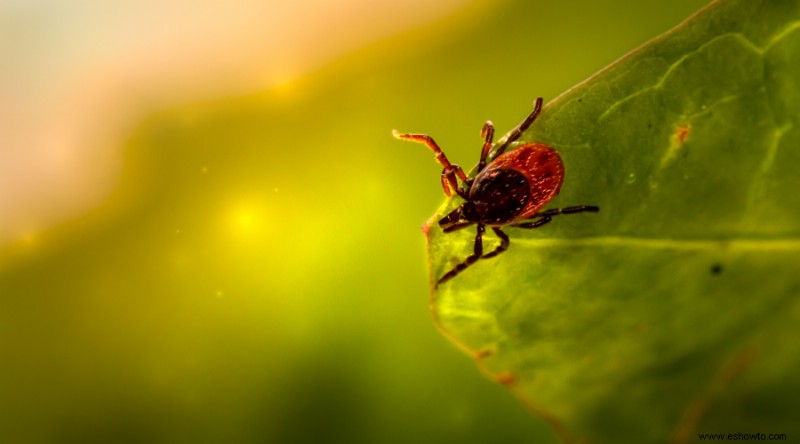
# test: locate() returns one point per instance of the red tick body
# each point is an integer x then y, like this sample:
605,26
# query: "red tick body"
517,184
508,191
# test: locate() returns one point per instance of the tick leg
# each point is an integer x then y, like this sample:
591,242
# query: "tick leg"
516,132
428,140
476,254
568,210
449,182
500,248
534,224
488,134
546,216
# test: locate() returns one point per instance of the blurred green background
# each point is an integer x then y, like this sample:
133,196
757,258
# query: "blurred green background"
258,274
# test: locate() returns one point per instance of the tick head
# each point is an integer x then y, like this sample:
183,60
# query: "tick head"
463,216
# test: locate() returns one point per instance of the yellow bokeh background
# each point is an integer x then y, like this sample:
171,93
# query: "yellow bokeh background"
251,267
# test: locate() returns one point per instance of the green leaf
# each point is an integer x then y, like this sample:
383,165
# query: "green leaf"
674,311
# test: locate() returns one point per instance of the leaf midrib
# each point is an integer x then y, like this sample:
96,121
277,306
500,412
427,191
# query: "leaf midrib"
788,244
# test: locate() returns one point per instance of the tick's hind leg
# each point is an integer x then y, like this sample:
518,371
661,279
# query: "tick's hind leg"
500,248
546,216
568,210
535,224
471,259
477,253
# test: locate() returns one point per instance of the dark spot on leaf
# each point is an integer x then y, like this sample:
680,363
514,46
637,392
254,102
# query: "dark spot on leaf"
716,269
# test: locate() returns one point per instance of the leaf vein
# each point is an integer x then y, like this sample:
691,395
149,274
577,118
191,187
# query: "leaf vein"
671,69
758,185
782,34
789,244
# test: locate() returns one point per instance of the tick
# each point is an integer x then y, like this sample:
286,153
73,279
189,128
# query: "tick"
507,190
